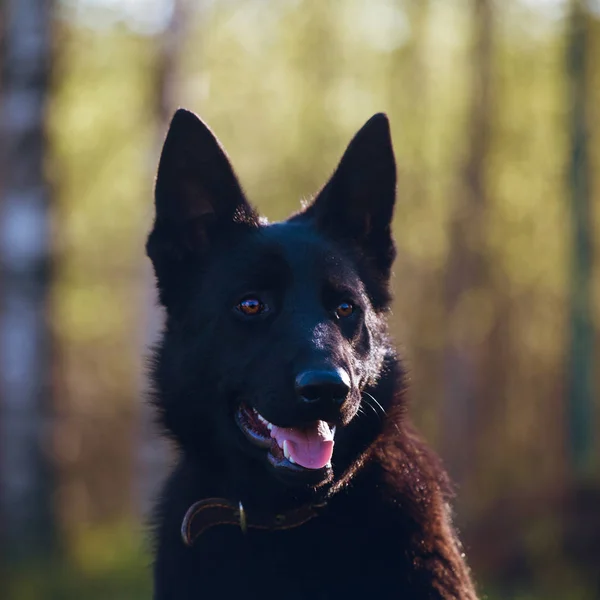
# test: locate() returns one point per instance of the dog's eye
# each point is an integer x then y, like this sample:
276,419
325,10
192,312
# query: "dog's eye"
251,306
344,309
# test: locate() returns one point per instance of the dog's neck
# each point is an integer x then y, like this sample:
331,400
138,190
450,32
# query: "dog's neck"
259,493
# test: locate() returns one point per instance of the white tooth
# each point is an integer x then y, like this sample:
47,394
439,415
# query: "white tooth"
291,460
286,451
268,424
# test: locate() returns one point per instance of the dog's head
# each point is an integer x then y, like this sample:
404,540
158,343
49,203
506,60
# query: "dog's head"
275,336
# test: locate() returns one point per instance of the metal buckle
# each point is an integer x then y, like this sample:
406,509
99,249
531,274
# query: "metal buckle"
243,520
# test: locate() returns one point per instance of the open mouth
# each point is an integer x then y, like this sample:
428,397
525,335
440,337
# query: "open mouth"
302,448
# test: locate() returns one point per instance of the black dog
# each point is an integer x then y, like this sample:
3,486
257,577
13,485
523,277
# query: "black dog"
299,474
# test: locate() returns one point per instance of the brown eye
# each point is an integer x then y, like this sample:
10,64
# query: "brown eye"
251,307
344,309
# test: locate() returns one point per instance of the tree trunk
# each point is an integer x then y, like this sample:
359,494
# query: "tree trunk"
26,474
154,453
466,301
581,350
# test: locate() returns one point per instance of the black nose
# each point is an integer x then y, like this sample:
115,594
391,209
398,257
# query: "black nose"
327,386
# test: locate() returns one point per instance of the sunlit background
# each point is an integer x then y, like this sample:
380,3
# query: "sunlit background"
495,111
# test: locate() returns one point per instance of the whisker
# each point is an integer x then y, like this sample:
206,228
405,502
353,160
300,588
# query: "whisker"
368,403
376,402
384,412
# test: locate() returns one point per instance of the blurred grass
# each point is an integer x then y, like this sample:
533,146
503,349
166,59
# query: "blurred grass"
113,563
109,563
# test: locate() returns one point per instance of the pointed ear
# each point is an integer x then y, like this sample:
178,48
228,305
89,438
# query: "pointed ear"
357,204
197,197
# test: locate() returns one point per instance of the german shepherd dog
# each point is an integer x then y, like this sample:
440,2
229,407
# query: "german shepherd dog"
299,475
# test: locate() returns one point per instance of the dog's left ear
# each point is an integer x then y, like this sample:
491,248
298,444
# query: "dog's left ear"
357,204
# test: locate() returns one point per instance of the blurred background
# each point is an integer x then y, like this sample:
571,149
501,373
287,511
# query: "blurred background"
495,110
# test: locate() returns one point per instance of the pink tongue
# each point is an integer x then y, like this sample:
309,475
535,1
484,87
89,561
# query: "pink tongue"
310,447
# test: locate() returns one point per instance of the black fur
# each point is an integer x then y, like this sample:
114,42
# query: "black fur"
386,531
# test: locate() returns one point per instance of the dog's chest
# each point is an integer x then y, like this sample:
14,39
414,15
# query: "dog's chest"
313,562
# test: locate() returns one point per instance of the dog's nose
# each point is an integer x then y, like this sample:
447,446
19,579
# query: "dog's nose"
327,386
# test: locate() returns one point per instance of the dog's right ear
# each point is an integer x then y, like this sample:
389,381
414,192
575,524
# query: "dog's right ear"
198,197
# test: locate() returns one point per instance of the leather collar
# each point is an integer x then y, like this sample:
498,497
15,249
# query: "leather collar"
204,514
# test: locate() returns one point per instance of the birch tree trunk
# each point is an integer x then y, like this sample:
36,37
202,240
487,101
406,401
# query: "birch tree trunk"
26,474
